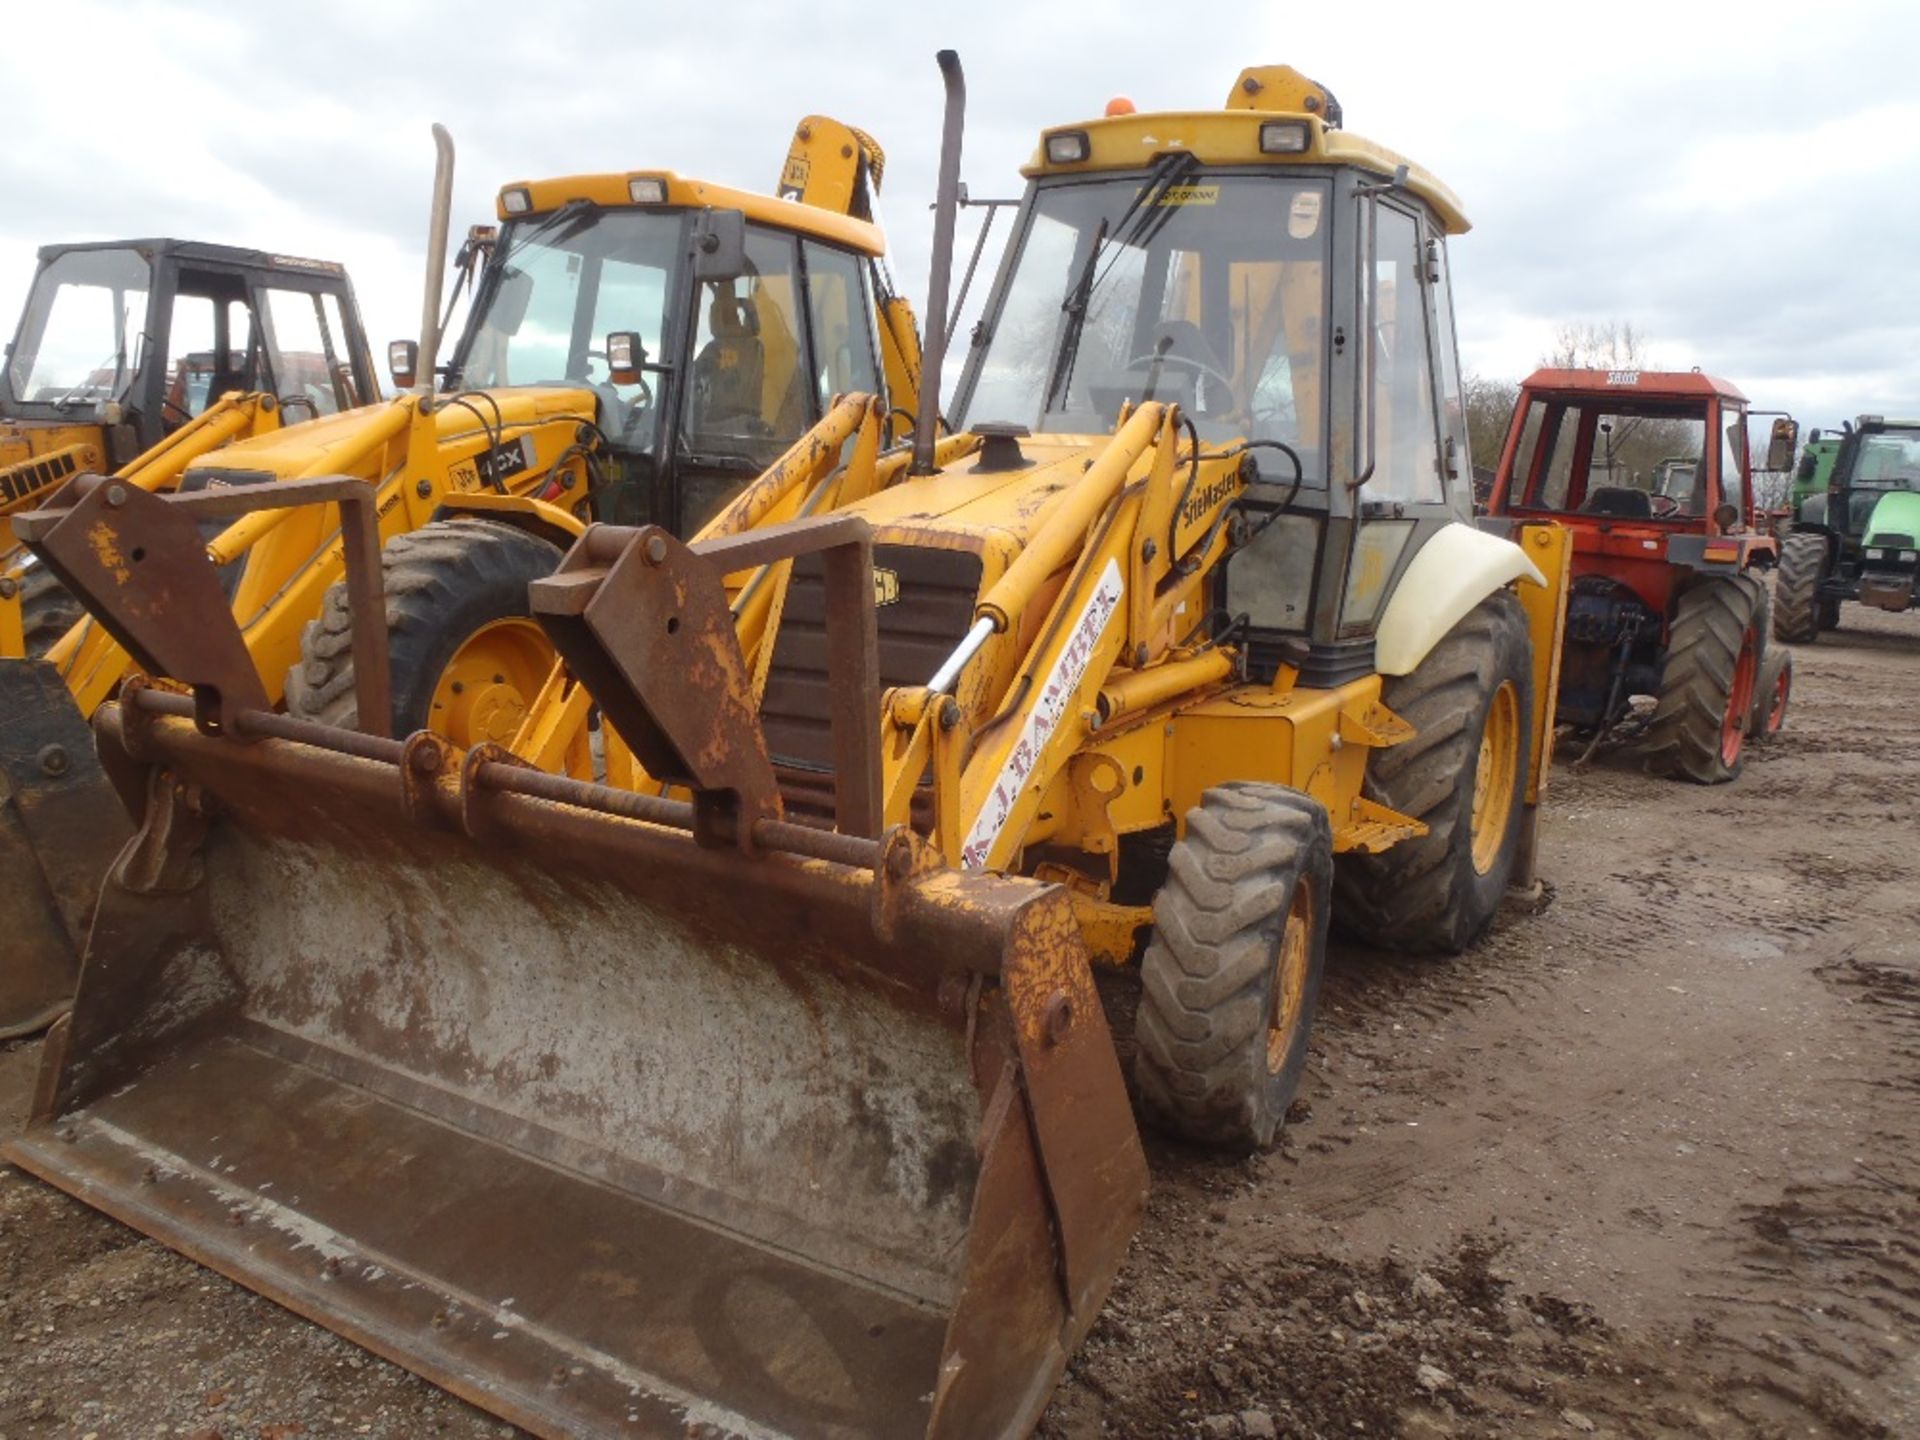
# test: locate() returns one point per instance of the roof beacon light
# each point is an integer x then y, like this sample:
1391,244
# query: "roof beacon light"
1120,105
1284,137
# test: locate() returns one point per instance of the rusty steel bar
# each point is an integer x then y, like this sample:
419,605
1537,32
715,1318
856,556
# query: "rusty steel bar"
786,835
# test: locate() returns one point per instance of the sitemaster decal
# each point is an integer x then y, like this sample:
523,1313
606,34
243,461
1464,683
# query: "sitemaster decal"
1067,673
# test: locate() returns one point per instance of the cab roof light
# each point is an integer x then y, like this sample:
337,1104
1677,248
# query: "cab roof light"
516,200
1284,137
647,190
1068,147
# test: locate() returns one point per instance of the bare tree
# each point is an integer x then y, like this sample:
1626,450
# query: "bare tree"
1490,403
1598,345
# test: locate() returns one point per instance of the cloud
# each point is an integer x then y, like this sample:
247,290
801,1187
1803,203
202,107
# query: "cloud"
1740,188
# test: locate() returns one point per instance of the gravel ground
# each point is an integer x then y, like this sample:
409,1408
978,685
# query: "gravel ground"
1646,1163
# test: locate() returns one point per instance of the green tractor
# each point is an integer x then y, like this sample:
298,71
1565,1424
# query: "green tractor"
1856,538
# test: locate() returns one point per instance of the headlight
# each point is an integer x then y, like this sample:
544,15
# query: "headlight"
1908,557
647,190
1877,555
1283,137
1068,147
516,201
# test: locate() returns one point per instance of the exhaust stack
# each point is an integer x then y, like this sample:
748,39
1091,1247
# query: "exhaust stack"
940,275
437,224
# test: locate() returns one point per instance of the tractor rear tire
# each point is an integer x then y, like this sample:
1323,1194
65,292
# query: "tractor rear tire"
1772,694
1798,610
1231,974
1707,685
47,610
456,595
1470,703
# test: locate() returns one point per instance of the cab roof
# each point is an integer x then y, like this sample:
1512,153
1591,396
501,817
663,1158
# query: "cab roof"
1642,384
1231,136
156,247
613,191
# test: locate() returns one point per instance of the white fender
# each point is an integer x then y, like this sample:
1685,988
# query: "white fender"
1454,571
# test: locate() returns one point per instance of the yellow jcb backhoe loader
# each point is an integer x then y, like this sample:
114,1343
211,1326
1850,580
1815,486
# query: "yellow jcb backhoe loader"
640,346
766,1089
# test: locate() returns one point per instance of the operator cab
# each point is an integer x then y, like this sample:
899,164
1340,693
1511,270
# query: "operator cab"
713,327
1612,449
1285,283
142,336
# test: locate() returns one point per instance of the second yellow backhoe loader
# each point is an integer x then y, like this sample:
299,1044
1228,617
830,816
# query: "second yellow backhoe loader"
138,357
640,346
763,1088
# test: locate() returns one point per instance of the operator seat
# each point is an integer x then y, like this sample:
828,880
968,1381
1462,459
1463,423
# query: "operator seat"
1622,501
727,372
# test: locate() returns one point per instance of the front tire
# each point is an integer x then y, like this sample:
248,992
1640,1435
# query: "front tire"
1699,725
1231,974
1799,613
1464,773
467,657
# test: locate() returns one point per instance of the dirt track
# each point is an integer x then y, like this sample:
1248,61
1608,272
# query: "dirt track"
1645,1164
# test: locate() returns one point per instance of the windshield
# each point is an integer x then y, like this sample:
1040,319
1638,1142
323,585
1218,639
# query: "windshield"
1888,461
80,339
557,287
1157,287
1638,462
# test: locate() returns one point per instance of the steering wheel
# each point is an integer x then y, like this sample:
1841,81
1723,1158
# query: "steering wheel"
1672,506
185,414
1170,357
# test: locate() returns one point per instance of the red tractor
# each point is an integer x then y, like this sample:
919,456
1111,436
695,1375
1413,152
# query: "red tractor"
1650,472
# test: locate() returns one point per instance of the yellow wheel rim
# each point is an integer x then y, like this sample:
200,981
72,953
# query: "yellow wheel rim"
488,684
1291,969
1496,776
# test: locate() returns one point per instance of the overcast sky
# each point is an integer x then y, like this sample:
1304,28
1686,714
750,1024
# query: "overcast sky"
1742,183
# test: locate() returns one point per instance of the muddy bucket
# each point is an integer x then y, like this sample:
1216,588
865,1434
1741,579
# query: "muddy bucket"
60,826
606,1130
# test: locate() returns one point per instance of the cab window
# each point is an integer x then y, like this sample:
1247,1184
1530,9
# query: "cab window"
1406,448
843,339
748,392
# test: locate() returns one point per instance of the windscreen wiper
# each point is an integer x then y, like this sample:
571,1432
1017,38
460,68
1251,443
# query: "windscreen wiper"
1166,171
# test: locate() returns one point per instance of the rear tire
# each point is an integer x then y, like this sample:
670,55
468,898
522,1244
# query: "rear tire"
1771,695
47,610
1232,972
465,654
1470,697
1707,686
1798,611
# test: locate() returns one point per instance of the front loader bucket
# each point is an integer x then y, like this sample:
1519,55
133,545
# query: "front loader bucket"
605,1129
60,825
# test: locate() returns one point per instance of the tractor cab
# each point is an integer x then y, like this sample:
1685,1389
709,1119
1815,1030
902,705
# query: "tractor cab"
1285,283
123,342
711,328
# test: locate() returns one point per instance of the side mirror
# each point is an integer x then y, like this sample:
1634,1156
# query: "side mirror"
1782,443
720,245
403,363
625,356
